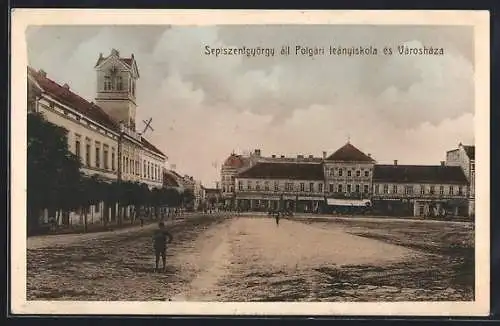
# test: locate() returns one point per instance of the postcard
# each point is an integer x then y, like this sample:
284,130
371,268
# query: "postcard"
209,162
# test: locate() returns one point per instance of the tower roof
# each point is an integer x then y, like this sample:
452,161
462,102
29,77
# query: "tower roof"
349,153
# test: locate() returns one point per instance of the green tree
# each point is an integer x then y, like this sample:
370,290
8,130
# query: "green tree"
53,172
188,197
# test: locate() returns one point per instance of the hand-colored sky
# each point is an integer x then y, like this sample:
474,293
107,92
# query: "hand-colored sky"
409,108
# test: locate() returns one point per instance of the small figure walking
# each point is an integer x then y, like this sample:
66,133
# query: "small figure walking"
277,218
160,245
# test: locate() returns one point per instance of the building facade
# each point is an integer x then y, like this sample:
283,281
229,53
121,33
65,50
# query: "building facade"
420,190
346,181
464,157
108,146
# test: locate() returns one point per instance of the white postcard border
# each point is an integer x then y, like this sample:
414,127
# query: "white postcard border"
21,18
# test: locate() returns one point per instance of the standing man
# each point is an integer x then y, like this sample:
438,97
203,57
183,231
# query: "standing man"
277,219
160,245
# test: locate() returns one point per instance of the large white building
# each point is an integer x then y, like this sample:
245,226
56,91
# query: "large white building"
347,180
102,134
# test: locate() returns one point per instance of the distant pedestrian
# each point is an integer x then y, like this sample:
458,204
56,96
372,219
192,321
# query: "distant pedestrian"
142,221
160,239
277,216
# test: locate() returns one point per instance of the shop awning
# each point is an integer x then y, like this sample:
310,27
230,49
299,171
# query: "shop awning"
348,202
311,198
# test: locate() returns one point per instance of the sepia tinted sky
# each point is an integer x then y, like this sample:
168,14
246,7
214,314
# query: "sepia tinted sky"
409,108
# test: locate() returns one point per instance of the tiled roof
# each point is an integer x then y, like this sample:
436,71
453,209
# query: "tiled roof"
419,174
296,171
150,146
349,153
234,161
74,101
127,61
470,151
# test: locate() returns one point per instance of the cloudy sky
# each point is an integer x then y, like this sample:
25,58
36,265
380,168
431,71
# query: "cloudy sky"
410,108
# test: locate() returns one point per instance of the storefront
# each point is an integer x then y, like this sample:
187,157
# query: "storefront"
393,207
348,206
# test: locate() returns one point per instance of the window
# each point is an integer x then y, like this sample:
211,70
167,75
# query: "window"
107,83
113,159
331,187
349,173
395,189
357,188
302,187
77,147
339,188
460,191
348,188
105,157
377,189
320,187
386,189
450,191
257,185
441,190
97,155
249,185
340,172
311,186
422,189
266,186
367,173
408,190
119,83
144,170
276,186
365,189
137,168
358,173
432,190
87,154
289,186
240,185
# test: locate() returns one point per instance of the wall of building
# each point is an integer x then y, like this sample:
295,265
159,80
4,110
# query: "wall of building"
85,132
347,177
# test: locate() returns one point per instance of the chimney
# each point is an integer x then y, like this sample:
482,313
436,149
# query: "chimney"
300,156
257,152
66,86
310,156
273,156
42,73
282,156
369,155
324,155
442,163
395,162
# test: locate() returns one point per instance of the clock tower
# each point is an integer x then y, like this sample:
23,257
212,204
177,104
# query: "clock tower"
116,87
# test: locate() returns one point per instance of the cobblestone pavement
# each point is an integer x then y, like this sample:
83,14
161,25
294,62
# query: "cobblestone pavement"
217,258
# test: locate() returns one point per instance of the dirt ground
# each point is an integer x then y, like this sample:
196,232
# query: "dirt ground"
217,258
